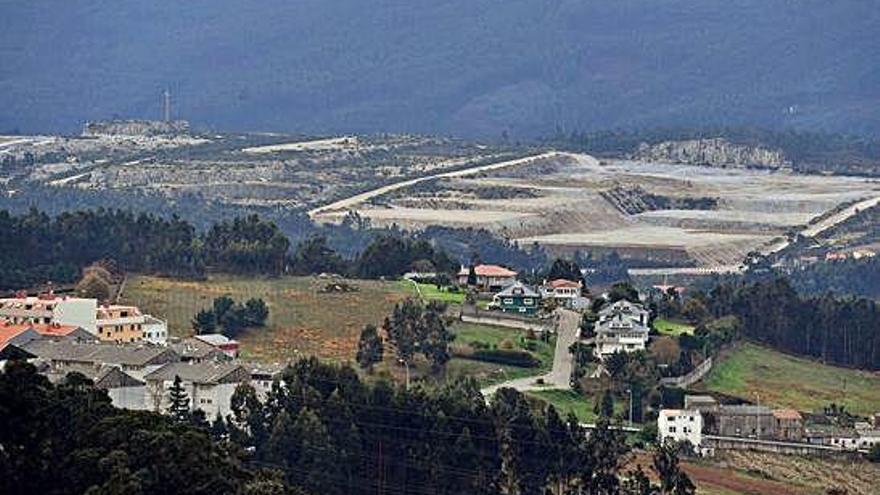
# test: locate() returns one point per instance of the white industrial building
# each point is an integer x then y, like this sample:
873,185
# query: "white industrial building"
680,425
209,386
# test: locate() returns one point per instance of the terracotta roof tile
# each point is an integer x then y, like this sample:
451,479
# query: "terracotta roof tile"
489,271
786,414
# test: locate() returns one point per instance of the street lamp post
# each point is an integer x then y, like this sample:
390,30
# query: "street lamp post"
629,390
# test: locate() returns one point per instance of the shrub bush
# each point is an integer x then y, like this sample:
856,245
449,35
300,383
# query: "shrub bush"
506,356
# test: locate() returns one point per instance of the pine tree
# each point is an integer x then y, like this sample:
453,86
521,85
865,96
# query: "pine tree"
564,269
94,287
370,348
472,276
604,405
179,407
204,322
219,431
673,481
435,337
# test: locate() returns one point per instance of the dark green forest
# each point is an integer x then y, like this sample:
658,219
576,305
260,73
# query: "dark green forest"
857,277
69,439
322,432
838,330
38,248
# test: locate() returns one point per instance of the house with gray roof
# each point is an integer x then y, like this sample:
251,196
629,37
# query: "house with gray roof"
126,391
264,375
195,350
517,298
208,385
622,327
134,359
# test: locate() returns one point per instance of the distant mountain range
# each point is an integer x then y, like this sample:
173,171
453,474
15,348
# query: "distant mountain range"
476,68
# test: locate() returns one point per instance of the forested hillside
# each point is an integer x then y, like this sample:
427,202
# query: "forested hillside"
468,67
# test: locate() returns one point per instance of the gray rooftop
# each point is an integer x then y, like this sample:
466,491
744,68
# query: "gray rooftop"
102,374
744,409
192,348
206,373
265,370
215,339
518,289
140,354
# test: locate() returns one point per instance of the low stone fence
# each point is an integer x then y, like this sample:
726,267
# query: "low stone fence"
499,319
691,378
713,442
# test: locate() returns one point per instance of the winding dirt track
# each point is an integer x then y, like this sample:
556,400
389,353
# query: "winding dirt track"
355,200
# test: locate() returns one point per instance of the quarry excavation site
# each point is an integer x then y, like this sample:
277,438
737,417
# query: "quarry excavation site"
679,214
670,215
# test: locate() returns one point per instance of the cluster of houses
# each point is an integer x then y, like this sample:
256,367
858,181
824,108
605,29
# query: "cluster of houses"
509,295
109,323
703,416
124,351
139,375
622,326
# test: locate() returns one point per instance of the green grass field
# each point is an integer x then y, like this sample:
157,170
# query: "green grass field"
779,380
430,292
668,327
302,320
489,373
569,401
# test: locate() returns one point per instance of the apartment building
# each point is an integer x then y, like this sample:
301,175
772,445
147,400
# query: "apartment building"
111,323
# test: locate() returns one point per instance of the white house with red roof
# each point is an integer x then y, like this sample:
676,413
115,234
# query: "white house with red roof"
490,278
565,292
220,342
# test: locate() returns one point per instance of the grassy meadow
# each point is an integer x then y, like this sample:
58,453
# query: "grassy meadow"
468,334
569,401
780,380
303,321
430,292
674,328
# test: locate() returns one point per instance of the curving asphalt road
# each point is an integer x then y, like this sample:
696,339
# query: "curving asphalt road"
567,326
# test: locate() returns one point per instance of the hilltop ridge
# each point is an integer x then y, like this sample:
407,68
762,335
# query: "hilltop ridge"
518,68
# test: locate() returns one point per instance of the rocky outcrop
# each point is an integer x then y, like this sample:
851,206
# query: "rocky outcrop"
135,128
716,152
635,200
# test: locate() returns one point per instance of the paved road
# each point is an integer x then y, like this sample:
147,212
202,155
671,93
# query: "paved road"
560,376
827,223
360,198
775,246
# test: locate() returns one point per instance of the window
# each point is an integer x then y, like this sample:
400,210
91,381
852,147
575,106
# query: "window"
528,301
671,429
508,300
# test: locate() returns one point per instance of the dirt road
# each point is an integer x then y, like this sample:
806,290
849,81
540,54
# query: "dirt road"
355,200
826,223
777,245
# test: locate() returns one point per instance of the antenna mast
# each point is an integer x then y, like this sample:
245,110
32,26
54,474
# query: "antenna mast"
166,106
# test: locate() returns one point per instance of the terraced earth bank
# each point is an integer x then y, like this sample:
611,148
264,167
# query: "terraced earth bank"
677,214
